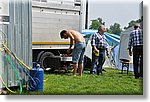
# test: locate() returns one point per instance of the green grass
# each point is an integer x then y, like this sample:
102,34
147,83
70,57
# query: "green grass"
111,82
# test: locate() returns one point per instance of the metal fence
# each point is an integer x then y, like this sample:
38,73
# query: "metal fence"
19,40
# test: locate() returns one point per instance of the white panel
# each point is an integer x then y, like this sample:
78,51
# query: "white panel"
57,4
124,47
124,40
48,19
4,8
40,31
45,15
35,9
54,1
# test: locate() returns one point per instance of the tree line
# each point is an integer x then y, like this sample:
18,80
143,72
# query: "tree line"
115,28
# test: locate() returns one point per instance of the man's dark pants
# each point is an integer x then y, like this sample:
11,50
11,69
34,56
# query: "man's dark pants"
138,61
101,61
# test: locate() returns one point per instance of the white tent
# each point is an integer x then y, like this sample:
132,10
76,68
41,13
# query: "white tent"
115,51
123,50
112,38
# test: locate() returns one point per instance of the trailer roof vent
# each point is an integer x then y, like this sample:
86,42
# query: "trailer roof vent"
77,2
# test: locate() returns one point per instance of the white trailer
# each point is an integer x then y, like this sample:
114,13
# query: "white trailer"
49,17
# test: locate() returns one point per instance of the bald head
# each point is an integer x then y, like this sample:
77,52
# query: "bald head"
136,25
101,29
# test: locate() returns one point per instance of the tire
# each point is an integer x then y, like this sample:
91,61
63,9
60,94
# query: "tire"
49,60
39,56
44,58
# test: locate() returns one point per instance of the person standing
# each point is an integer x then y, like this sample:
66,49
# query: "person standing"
79,48
99,46
136,46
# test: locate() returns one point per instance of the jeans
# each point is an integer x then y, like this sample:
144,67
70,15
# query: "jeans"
78,52
94,63
101,61
98,61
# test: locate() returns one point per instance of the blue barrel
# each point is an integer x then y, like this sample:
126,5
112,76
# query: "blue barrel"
37,73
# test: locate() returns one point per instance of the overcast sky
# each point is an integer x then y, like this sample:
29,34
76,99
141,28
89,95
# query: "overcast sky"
114,11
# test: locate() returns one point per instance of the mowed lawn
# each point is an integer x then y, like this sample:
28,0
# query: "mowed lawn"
112,82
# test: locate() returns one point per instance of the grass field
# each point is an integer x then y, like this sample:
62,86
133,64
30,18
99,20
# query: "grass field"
111,82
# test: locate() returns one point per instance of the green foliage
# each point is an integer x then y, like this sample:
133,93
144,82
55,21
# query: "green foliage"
115,29
96,23
133,22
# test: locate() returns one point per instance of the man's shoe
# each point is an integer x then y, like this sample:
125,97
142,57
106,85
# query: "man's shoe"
104,70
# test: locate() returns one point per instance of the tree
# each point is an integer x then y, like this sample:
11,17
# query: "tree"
115,29
96,23
132,22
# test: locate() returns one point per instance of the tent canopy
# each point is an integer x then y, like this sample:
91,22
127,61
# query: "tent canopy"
120,44
112,39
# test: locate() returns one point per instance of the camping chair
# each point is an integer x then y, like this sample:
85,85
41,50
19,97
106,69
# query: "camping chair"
125,64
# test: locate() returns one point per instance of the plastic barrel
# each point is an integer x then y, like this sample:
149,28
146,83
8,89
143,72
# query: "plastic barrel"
37,73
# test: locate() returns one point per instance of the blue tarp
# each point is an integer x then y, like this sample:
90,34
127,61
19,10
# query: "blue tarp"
112,39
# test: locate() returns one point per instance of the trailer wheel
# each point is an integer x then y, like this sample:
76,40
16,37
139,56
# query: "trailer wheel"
39,56
45,58
50,61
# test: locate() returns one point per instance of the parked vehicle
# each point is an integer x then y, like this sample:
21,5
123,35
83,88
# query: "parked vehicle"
49,17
